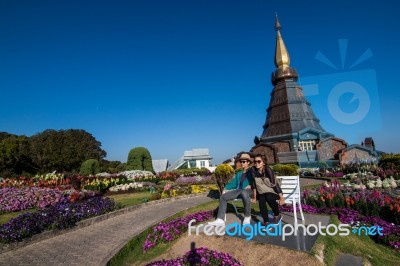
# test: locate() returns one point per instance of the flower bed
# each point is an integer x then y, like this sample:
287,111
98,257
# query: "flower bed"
175,174
168,231
375,202
132,186
194,180
335,174
391,232
202,257
138,174
369,207
101,182
18,199
37,181
60,216
173,190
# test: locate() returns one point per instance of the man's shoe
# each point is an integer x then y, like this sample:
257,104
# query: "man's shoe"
218,222
246,220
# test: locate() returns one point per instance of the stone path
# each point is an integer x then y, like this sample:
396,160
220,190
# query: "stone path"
98,243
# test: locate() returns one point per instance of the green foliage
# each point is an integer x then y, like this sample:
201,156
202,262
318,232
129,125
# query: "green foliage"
48,151
285,169
139,158
64,150
111,167
390,161
14,154
223,173
162,183
90,167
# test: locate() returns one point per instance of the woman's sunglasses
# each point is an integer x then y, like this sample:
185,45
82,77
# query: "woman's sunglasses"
258,161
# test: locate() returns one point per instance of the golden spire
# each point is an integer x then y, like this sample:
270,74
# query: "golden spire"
282,59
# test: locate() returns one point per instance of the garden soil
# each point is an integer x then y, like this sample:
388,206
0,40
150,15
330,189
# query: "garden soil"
247,252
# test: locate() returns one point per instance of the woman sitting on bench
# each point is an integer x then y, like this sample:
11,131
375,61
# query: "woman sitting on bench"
266,189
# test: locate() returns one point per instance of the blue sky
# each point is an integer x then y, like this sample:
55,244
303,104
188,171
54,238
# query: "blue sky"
177,75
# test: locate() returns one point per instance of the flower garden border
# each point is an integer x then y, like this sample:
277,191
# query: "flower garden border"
87,222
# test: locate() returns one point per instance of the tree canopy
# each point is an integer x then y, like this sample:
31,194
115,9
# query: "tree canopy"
50,150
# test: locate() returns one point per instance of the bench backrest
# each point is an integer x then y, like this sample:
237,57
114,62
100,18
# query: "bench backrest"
290,186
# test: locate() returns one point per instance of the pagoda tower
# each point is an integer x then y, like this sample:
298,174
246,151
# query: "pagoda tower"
291,129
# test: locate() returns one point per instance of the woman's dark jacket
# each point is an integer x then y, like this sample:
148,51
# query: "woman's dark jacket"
268,173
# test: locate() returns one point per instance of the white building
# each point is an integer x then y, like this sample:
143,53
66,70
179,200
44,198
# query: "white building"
196,158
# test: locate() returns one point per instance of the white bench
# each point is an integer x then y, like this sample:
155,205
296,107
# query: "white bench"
291,192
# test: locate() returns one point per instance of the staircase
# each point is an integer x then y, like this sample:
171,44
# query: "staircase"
177,164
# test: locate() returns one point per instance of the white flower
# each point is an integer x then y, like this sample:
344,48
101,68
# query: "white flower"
370,185
385,183
378,183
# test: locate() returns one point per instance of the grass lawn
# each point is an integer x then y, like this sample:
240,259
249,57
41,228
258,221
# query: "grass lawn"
130,199
362,246
5,217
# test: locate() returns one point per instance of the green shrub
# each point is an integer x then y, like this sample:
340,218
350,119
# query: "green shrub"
390,161
90,167
223,173
139,158
285,169
162,183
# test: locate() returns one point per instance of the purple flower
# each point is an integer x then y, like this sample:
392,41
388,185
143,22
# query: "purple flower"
169,231
59,216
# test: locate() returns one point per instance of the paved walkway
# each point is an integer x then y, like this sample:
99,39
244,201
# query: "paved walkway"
98,243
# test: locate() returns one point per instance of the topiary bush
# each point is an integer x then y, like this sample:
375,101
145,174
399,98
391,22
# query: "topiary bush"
139,158
90,167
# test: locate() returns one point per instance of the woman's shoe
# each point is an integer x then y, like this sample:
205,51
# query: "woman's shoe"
264,228
277,219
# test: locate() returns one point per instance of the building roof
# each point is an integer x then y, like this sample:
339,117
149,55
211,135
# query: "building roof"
160,165
196,153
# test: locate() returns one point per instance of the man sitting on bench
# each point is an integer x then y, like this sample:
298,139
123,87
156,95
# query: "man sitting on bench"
239,186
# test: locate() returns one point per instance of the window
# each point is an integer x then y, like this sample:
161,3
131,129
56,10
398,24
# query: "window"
307,145
202,163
